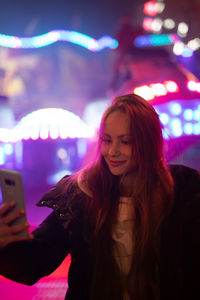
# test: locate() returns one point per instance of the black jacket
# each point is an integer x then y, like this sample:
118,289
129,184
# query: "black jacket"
63,232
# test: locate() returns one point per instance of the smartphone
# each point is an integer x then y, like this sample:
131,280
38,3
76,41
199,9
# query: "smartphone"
12,190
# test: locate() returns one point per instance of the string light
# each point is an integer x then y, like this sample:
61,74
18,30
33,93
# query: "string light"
58,35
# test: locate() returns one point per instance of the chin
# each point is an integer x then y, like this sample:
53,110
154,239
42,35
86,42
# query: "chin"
117,172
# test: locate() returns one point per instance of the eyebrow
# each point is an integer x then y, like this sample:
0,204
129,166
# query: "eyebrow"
120,136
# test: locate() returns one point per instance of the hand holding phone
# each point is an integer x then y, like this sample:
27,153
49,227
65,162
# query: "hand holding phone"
13,222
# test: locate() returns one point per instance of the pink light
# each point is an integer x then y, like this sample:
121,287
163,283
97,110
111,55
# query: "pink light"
147,24
198,87
149,92
171,86
158,89
151,8
192,85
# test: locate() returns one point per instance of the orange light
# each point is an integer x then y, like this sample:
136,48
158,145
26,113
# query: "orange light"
144,91
158,89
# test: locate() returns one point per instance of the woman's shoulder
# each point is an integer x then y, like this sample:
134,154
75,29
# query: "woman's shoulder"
185,177
187,190
65,198
63,187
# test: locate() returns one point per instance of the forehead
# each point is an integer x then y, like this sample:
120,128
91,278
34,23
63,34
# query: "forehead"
117,123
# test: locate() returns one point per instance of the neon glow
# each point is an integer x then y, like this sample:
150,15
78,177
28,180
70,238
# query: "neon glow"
164,118
188,128
47,123
144,91
196,129
151,8
158,89
58,35
187,52
147,24
157,25
179,118
169,23
156,40
149,92
188,114
176,127
176,109
193,86
171,86
8,149
2,156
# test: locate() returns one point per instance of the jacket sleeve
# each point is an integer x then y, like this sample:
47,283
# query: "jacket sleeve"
26,262
191,239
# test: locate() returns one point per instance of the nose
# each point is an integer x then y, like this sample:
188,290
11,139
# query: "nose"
114,149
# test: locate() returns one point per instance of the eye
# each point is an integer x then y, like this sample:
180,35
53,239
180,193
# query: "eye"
126,142
105,140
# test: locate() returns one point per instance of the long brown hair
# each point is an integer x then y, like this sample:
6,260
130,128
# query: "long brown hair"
152,196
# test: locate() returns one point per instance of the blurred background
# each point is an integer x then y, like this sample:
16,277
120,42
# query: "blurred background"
61,64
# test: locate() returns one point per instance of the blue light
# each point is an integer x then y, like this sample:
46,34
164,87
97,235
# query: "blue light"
196,129
187,52
155,40
164,118
81,147
59,35
176,127
8,149
196,115
188,128
2,156
188,114
165,133
176,109
106,41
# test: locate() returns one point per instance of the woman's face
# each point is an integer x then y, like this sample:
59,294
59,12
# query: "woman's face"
116,145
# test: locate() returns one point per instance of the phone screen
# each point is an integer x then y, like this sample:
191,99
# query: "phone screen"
12,190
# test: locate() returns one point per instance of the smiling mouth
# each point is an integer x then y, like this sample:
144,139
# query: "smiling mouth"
116,163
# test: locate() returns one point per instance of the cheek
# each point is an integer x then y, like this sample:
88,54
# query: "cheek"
104,150
128,152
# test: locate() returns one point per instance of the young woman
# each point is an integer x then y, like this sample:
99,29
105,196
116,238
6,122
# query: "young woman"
130,222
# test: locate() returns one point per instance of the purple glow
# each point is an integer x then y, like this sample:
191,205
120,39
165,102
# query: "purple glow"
176,127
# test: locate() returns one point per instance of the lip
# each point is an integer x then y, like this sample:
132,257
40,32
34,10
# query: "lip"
114,163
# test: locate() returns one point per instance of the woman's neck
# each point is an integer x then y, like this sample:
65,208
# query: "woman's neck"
126,187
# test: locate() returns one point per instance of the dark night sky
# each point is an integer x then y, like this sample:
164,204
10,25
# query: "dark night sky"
95,18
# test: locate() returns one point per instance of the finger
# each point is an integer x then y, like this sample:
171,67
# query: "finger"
12,216
5,207
6,230
4,241
14,229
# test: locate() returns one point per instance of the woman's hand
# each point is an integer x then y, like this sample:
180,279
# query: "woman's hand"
8,233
